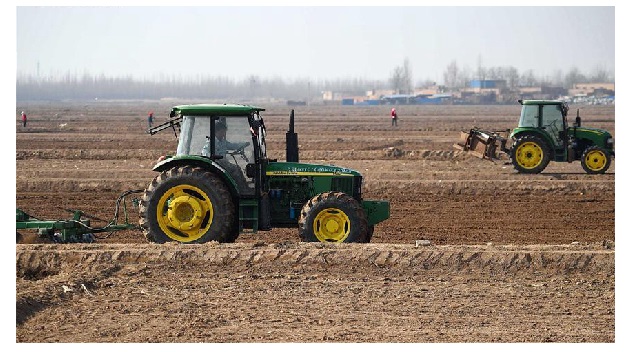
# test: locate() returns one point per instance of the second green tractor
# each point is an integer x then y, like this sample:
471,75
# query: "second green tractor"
543,135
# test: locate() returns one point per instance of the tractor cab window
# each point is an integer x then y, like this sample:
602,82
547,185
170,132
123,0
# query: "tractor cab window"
529,116
232,145
552,121
193,135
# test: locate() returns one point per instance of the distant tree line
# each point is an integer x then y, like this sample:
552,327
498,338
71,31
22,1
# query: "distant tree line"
205,87
455,78
89,87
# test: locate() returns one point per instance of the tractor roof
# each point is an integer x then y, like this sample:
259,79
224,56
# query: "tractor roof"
541,102
214,109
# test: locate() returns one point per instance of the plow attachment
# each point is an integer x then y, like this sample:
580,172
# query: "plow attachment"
489,145
77,229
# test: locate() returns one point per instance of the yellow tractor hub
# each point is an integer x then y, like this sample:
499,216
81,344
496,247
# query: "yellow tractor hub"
184,208
331,225
529,155
596,160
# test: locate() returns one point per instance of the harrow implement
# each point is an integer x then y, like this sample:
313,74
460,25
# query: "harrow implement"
77,229
489,145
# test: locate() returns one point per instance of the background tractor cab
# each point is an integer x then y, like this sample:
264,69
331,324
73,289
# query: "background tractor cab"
221,182
543,134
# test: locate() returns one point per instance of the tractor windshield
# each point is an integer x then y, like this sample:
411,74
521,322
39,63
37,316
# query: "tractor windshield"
529,116
192,139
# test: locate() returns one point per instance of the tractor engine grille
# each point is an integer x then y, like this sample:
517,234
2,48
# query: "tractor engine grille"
348,185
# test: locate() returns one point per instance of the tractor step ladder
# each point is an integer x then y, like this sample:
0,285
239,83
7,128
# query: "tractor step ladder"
248,215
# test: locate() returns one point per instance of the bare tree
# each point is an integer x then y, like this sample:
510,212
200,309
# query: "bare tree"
481,71
599,75
401,78
572,77
464,77
528,79
451,79
558,78
511,76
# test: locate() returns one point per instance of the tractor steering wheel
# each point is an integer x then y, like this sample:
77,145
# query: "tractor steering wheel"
240,152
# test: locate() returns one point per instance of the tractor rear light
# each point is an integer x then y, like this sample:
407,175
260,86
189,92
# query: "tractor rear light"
161,158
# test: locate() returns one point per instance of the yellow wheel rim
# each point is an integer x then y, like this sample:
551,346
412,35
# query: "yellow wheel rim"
596,160
529,155
331,225
184,213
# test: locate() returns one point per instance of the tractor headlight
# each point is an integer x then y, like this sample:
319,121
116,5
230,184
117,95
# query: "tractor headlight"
610,143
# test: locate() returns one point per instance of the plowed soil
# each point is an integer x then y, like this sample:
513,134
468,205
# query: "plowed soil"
472,252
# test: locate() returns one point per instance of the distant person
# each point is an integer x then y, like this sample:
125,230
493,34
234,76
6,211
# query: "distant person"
151,119
23,118
394,117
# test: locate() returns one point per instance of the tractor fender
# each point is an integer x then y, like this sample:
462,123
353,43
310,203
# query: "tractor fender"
202,162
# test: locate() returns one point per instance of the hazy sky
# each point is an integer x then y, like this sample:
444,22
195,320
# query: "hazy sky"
311,42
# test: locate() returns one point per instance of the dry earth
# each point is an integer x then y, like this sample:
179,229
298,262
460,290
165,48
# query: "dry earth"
512,258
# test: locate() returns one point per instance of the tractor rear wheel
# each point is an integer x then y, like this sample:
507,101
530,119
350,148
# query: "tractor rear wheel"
189,205
530,154
333,217
595,160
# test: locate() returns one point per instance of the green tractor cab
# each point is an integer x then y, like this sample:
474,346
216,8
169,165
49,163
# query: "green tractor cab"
221,183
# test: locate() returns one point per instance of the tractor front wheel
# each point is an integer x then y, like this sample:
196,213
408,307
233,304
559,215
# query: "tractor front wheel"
529,154
333,217
188,205
595,160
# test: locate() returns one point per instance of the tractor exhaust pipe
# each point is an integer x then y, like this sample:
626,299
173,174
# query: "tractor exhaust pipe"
291,142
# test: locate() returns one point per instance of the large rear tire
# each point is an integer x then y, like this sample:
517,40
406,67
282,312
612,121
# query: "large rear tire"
595,160
333,217
188,205
530,154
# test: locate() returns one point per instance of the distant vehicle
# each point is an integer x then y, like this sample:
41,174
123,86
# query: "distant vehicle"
543,135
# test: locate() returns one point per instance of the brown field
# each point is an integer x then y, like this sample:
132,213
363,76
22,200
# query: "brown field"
513,258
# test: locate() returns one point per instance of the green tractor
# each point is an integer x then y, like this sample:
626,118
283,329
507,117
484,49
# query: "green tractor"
220,183
543,135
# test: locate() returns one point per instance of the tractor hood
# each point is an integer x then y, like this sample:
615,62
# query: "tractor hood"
596,131
299,169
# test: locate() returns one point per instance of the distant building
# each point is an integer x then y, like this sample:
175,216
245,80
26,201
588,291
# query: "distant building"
399,99
378,93
487,84
592,89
